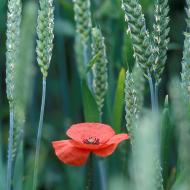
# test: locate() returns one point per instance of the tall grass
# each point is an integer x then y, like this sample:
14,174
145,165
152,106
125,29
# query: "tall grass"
156,128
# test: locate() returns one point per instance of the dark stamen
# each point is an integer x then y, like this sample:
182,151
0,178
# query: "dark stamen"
91,140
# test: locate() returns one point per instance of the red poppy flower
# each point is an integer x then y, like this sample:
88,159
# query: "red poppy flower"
85,139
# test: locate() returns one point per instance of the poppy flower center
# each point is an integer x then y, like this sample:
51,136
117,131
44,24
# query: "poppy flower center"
91,140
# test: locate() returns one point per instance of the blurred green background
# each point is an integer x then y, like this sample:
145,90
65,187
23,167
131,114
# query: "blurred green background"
64,103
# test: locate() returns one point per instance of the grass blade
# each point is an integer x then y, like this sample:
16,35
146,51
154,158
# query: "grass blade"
119,102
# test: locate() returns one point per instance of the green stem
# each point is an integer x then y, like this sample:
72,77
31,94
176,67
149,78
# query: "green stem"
102,172
10,148
152,94
89,182
101,166
38,142
156,96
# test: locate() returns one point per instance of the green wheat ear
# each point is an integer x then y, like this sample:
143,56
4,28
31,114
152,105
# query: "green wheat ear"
13,39
139,86
100,76
82,15
24,70
130,104
134,98
149,50
139,34
83,19
160,37
185,75
45,25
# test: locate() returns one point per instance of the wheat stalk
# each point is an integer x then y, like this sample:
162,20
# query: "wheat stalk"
45,25
13,39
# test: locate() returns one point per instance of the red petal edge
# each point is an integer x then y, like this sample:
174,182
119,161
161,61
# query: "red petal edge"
69,154
112,145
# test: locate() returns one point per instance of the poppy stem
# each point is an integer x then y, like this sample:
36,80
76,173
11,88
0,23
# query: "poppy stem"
89,182
101,167
38,142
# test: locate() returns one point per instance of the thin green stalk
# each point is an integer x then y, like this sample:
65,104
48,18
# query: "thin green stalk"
38,142
156,96
101,167
152,94
89,182
10,149
102,171
85,54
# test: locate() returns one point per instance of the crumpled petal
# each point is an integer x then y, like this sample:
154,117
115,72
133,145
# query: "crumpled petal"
69,154
112,145
80,132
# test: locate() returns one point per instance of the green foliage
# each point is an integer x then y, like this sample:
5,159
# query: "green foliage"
119,102
181,115
166,139
100,76
142,52
45,25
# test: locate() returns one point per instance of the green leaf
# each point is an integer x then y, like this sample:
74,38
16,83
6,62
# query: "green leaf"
119,102
166,139
91,113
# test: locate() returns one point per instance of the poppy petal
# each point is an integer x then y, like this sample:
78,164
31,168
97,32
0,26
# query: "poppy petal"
116,139
69,154
84,131
112,145
104,152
